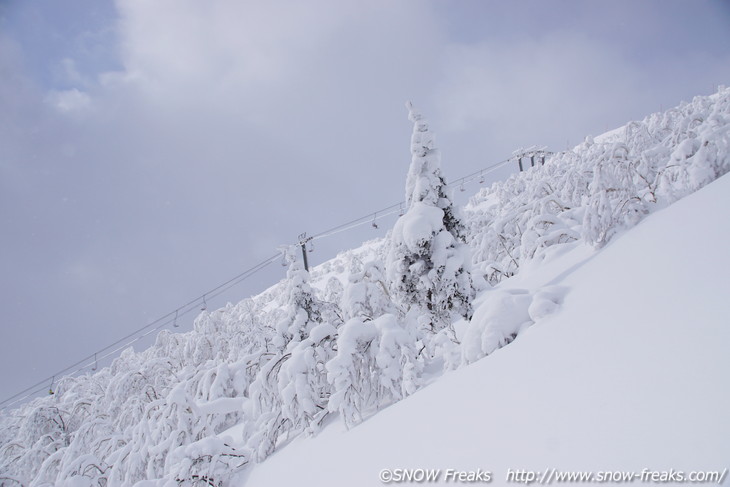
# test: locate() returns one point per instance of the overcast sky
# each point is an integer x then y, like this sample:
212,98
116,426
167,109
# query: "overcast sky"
150,150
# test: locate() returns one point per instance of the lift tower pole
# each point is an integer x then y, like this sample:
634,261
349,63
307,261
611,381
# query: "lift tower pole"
303,239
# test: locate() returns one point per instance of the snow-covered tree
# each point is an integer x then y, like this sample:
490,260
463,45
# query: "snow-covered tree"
302,310
376,364
290,391
267,422
366,295
351,371
398,369
428,263
303,385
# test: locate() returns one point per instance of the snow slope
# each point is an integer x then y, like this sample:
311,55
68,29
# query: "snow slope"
631,372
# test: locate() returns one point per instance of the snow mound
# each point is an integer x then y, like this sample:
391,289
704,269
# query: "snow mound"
502,315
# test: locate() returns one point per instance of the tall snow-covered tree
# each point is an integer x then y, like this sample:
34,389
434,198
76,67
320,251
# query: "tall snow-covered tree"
428,263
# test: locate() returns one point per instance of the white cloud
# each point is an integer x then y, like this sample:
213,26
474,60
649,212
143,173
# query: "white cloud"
539,89
225,47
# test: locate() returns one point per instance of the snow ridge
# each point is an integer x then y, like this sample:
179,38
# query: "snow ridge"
346,339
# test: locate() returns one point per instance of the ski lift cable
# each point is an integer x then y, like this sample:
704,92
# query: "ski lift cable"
233,283
479,174
356,223
7,403
397,207
220,289
180,311
92,359
213,293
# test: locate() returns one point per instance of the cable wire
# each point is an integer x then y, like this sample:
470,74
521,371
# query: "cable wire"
171,317
400,206
161,322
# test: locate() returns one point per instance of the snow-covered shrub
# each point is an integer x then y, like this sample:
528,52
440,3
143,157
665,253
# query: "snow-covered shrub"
375,365
303,385
290,391
398,368
700,148
41,435
267,419
366,295
614,200
167,424
206,462
351,371
599,187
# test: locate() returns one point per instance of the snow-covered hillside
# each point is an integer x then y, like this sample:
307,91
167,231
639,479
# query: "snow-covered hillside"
617,361
631,373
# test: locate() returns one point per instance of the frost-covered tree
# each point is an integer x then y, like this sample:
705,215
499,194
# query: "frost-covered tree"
290,391
175,438
267,422
600,186
614,196
701,149
41,437
376,364
303,385
428,263
351,372
398,369
366,295
302,309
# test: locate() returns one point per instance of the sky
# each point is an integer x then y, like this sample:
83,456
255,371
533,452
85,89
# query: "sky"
150,151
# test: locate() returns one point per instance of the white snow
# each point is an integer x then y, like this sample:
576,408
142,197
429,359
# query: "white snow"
630,373
495,323
418,225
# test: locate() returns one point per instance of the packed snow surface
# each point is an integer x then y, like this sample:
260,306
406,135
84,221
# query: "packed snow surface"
630,373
